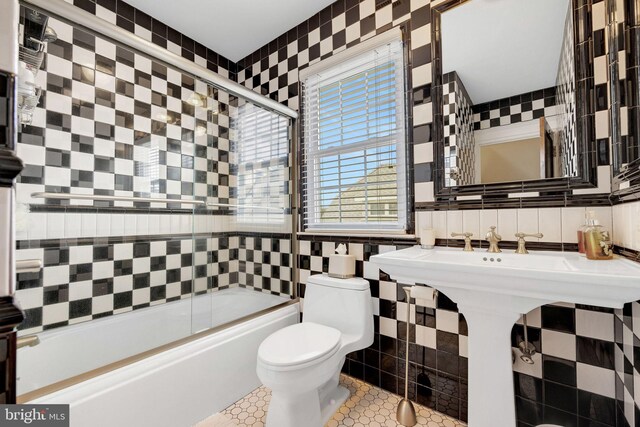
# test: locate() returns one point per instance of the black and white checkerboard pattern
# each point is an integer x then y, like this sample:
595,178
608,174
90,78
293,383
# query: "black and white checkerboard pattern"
515,109
626,351
113,122
85,279
566,96
273,69
570,383
265,263
459,141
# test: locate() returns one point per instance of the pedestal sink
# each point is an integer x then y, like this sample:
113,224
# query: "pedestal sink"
492,290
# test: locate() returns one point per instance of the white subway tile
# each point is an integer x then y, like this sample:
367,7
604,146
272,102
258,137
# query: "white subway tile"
471,222
550,224
528,222
454,222
55,225
117,224
507,223
130,225
440,224
37,226
572,219
73,225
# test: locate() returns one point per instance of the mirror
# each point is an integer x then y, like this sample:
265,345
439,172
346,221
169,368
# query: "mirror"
506,95
623,25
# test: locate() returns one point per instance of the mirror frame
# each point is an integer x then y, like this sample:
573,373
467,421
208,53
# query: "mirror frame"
585,115
626,182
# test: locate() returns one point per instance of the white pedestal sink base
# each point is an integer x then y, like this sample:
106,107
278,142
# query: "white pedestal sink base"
491,395
492,291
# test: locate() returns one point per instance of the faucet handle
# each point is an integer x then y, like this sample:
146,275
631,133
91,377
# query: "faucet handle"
467,240
522,249
523,235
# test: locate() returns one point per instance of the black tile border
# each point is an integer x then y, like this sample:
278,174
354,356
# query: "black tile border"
114,240
503,202
126,210
585,115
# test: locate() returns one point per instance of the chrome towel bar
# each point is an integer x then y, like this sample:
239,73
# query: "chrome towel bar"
28,266
67,196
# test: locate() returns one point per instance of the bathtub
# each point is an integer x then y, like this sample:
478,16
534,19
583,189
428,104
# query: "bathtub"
176,387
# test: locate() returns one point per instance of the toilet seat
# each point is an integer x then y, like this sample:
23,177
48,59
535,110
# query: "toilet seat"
299,345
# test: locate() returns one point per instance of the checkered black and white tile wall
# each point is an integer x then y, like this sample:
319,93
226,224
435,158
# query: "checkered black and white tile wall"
459,141
566,100
273,70
113,122
626,219
128,126
567,365
515,109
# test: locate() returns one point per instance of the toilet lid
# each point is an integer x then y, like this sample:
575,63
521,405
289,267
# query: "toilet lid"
299,344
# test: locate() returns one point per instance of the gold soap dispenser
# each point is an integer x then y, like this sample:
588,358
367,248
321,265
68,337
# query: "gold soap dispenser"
597,242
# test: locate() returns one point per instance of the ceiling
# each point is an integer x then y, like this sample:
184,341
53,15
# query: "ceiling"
232,28
501,48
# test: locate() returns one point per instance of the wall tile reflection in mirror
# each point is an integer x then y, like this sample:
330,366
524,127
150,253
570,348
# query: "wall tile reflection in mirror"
508,91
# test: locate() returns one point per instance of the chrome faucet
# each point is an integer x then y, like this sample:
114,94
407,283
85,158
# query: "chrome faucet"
493,238
522,249
467,240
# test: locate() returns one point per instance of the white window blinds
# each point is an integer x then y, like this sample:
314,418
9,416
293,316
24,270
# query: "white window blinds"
263,158
354,169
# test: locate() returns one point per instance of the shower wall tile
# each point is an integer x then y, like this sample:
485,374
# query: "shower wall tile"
87,278
133,128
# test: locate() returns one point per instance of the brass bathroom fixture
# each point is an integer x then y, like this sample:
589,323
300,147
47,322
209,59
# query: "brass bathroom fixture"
28,341
522,249
467,240
493,238
406,413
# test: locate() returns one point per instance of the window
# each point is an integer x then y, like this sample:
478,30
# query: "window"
263,175
354,167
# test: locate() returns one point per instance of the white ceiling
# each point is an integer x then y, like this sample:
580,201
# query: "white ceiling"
232,28
501,48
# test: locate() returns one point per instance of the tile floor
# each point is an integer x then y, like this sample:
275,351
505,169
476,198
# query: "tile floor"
368,406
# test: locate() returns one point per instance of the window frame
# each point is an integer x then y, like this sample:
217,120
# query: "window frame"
309,179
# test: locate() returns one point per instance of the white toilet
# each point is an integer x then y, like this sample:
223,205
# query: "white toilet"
301,363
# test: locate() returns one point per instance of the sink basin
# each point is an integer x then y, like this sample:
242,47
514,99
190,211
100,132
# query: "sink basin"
492,292
543,275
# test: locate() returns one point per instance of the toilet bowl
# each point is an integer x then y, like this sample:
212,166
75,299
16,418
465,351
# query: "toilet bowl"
301,363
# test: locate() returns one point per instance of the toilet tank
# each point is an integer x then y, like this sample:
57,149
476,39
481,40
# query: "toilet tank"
344,304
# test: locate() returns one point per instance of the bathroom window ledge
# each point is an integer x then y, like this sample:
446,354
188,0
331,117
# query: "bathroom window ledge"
358,233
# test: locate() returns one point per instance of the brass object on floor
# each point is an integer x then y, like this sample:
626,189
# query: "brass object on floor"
406,413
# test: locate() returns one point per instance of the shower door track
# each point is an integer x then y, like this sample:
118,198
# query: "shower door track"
27,397
91,22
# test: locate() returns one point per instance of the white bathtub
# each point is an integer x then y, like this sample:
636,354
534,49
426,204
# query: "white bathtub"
175,388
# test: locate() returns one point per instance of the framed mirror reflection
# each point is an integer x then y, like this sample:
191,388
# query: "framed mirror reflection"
624,30
513,96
